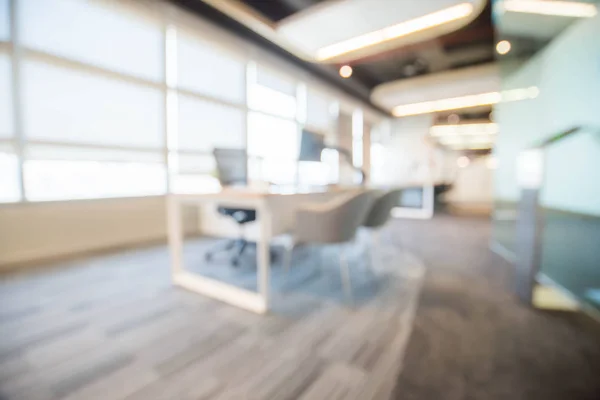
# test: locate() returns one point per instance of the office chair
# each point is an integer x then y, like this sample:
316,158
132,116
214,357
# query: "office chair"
333,222
232,169
378,217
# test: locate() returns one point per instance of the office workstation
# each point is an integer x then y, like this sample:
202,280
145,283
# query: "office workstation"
285,216
207,200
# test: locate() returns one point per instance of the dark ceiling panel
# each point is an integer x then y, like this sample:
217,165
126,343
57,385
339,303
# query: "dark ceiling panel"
469,46
276,10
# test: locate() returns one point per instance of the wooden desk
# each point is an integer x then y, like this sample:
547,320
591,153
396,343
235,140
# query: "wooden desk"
275,214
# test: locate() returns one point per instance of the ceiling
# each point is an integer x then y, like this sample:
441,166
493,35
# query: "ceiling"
467,46
471,45
392,72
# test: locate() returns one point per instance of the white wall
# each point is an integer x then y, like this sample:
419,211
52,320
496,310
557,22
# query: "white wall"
473,184
405,158
39,231
408,158
567,73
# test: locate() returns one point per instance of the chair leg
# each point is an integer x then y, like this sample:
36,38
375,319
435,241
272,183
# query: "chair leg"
220,247
235,260
345,275
287,257
374,251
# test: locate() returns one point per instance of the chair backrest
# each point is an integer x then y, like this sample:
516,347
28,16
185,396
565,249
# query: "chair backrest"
232,166
337,222
354,212
381,209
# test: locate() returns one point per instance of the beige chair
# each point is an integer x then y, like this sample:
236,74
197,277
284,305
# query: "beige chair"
333,222
378,217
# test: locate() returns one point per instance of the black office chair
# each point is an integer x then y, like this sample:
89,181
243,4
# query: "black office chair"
232,169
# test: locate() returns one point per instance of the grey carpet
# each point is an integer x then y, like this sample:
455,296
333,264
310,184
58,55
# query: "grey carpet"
473,340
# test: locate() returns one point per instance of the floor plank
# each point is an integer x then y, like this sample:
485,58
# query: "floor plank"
114,327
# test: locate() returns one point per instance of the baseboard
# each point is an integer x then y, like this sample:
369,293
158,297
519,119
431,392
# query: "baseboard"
545,280
44,262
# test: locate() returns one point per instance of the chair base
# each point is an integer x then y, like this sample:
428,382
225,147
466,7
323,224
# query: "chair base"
237,246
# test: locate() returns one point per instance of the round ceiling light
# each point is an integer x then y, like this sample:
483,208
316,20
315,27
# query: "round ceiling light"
453,119
346,71
463,162
503,47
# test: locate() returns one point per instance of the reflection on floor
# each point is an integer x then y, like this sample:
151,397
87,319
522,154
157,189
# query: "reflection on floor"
570,253
113,327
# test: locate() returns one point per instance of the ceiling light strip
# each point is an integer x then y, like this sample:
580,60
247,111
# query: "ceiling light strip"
464,129
395,31
554,7
457,103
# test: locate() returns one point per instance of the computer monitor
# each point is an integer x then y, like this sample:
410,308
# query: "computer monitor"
311,146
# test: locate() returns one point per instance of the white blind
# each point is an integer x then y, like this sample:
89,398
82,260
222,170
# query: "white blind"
275,80
102,33
66,105
4,21
196,164
61,152
6,107
205,69
262,98
66,179
317,111
204,125
271,137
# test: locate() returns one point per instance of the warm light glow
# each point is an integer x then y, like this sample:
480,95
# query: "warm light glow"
474,100
346,71
395,31
491,162
464,129
463,141
472,147
453,118
463,162
503,47
554,7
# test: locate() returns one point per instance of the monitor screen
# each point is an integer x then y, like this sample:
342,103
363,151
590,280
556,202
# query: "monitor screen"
311,146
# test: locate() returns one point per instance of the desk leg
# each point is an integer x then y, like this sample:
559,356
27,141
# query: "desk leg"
175,235
263,255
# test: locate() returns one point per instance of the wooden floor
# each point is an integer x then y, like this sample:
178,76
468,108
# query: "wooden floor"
112,327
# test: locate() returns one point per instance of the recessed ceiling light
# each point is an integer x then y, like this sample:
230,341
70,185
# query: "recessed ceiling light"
453,118
463,162
346,71
553,7
395,31
503,47
464,129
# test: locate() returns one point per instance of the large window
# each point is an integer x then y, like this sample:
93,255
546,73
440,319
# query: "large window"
4,21
204,68
204,125
106,34
6,107
122,98
273,148
68,179
70,106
